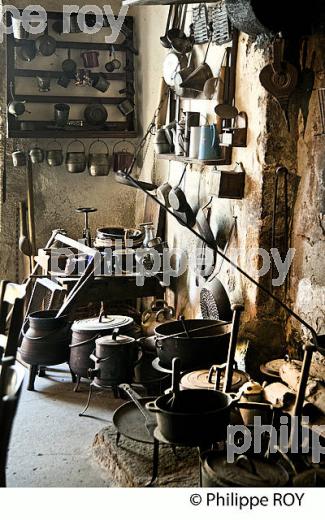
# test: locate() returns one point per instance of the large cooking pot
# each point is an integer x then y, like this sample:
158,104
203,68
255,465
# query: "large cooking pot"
84,334
45,339
206,346
243,472
115,358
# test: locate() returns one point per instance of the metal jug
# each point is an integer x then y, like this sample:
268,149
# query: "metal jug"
209,148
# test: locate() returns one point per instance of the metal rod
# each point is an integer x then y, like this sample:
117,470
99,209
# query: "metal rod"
237,310
230,262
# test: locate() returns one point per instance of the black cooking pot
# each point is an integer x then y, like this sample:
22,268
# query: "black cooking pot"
202,349
243,472
204,417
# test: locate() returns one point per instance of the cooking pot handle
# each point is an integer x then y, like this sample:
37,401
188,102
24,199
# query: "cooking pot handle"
217,369
151,407
158,344
85,341
140,352
98,141
115,333
56,142
76,141
252,405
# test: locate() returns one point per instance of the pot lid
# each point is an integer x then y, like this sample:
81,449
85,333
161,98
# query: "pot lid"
251,388
245,471
272,367
114,340
200,379
105,323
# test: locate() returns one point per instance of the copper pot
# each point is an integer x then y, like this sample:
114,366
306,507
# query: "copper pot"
90,59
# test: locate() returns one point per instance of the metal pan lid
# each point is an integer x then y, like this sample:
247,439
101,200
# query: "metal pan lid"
199,379
115,340
108,322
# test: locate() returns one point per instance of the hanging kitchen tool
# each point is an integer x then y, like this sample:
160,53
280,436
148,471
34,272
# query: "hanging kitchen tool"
200,75
280,78
30,207
164,190
68,65
54,156
214,301
180,43
181,76
98,162
75,161
122,159
221,26
227,110
232,183
173,63
90,59
200,23
163,39
283,211
95,114
45,44
24,244
203,223
176,197
27,51
321,104
306,82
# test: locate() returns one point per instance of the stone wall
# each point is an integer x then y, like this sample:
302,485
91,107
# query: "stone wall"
269,145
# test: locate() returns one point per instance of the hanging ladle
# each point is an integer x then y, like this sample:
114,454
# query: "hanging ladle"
226,110
178,40
164,39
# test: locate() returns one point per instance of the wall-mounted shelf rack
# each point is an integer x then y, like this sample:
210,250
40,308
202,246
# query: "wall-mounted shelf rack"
225,159
123,127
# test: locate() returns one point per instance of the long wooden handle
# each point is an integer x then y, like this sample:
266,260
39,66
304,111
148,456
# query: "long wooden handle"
30,207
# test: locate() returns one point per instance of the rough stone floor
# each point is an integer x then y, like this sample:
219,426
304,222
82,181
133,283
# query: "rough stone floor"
50,444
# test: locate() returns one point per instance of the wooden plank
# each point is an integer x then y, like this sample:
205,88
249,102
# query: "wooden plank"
31,73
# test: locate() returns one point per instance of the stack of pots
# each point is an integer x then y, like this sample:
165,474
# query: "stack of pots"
86,332
45,339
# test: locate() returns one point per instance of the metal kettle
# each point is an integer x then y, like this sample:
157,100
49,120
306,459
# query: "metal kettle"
157,313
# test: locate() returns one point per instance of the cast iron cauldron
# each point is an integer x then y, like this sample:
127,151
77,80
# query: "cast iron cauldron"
203,348
203,418
46,340
115,358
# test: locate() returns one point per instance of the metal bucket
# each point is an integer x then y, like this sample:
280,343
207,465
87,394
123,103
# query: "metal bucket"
99,162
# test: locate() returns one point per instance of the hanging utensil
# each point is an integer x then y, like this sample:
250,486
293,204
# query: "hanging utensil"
306,82
24,244
280,78
179,41
200,75
45,44
227,110
164,39
221,26
69,65
200,24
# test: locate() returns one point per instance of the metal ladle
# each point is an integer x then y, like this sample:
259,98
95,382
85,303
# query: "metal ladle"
163,39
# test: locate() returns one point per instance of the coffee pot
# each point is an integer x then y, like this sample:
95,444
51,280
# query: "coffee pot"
209,148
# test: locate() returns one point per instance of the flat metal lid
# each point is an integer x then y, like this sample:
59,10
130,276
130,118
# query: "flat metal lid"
117,340
271,368
108,322
199,379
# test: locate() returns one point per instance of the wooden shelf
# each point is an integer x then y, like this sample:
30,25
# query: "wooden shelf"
134,3
31,73
87,100
224,160
126,128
